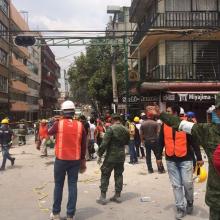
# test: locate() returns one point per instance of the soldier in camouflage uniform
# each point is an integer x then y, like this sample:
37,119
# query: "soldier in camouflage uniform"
113,144
208,134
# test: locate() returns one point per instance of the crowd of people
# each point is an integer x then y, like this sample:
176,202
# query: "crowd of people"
173,134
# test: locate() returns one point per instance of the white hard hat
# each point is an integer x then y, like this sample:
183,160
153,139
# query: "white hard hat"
67,105
182,112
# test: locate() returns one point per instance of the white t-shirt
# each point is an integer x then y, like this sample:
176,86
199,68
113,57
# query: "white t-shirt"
92,131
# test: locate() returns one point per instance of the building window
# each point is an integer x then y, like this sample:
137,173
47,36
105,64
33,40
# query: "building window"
3,31
32,67
178,5
32,100
33,85
3,84
3,57
153,58
178,52
17,76
18,97
4,6
204,5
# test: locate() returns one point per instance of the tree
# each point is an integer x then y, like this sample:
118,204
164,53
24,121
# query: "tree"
90,75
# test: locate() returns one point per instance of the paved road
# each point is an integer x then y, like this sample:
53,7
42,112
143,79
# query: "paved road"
26,192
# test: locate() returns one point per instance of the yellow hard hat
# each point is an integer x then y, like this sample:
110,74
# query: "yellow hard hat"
201,174
5,121
136,119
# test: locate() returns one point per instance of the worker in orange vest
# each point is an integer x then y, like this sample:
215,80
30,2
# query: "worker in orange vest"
179,157
70,150
43,137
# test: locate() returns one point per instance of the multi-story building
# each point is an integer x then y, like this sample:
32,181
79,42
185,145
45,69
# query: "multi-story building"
19,71
33,82
179,51
4,57
49,91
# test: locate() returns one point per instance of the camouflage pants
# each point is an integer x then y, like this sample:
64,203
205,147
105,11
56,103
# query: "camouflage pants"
106,170
214,214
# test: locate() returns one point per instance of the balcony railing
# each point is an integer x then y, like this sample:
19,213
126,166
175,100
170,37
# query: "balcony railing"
181,20
184,72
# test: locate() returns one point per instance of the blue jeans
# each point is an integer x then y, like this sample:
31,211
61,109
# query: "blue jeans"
181,177
150,145
61,167
5,155
132,152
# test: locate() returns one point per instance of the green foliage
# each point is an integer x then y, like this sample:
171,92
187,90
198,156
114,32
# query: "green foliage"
90,74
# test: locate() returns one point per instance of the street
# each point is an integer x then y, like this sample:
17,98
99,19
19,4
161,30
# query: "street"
27,189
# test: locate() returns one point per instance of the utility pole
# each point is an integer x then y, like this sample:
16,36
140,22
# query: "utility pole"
66,85
114,10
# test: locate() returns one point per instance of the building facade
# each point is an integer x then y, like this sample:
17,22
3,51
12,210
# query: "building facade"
4,58
178,52
19,71
50,75
33,82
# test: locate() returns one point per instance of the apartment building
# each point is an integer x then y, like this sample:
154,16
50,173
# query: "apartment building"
4,57
33,82
19,71
50,75
178,48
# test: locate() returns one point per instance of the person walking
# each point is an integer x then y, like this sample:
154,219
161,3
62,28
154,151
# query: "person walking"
179,151
113,146
138,145
6,135
149,138
70,150
43,137
208,135
92,138
132,150
22,132
99,132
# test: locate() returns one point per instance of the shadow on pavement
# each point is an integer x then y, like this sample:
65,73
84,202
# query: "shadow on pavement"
14,167
86,213
129,196
49,163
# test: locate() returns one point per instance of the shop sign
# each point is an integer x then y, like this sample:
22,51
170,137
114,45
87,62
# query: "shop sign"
188,97
134,99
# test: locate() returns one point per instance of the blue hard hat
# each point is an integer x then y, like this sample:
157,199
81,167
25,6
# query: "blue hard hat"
190,114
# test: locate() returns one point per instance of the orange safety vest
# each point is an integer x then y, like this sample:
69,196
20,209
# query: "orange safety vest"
68,139
43,132
177,147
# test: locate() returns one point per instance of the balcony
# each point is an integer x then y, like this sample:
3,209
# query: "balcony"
184,72
178,20
18,106
19,86
19,66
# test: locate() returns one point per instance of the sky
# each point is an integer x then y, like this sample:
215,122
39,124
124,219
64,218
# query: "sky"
67,15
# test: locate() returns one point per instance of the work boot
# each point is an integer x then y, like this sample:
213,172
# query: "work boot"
102,199
12,161
189,208
180,214
116,198
150,171
55,216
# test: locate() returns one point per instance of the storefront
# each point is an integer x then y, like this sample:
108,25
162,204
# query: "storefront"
197,102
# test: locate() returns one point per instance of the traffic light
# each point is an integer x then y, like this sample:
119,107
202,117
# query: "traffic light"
25,41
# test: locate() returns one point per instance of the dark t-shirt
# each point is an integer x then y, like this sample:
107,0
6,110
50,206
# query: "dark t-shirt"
149,129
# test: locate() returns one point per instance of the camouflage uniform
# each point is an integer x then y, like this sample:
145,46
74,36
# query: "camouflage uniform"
208,136
116,137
